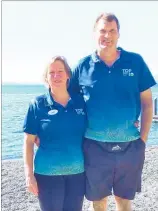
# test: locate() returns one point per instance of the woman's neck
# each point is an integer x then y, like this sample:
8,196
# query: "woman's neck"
60,96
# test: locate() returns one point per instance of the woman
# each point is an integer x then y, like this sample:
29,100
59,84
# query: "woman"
56,174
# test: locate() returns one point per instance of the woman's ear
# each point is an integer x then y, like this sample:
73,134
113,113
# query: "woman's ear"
118,35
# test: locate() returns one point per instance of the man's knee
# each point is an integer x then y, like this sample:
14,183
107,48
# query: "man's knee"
100,205
123,204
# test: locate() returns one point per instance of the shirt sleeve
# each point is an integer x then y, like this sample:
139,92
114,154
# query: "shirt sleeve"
146,79
30,124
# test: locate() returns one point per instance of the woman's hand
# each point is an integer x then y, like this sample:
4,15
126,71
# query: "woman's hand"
31,184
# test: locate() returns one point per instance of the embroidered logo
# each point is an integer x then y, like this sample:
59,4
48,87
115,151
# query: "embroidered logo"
116,148
127,72
80,111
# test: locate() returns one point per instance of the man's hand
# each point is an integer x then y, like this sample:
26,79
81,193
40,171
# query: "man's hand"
37,141
136,124
146,113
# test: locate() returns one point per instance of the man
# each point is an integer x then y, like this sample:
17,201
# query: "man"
116,87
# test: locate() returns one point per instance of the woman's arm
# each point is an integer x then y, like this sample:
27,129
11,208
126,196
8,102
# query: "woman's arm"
28,155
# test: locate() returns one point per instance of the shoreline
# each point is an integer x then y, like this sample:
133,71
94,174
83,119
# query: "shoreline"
15,197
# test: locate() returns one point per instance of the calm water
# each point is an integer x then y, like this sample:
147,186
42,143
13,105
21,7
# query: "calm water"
15,99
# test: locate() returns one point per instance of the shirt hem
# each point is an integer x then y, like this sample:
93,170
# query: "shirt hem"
58,174
112,141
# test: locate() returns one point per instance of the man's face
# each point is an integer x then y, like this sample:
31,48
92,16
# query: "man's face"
106,35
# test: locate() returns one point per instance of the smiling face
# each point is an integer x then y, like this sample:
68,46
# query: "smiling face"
106,35
57,75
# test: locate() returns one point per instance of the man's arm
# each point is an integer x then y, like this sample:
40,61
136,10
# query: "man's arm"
146,113
74,87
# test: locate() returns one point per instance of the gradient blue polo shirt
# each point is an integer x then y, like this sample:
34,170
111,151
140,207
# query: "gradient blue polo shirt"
61,131
112,95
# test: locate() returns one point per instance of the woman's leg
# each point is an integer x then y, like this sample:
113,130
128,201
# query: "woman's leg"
74,192
51,192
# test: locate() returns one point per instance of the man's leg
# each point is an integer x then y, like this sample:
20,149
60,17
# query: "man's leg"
99,167
100,205
123,204
127,180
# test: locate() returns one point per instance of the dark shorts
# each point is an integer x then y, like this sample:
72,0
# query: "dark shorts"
113,167
61,193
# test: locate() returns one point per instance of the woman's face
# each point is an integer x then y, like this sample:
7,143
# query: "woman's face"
57,75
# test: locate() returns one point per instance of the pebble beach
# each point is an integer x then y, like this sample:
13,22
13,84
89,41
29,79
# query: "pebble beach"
14,196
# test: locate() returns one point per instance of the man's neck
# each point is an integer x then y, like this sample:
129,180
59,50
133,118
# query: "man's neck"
109,56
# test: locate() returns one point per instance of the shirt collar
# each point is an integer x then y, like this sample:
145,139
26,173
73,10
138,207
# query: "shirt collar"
49,101
96,58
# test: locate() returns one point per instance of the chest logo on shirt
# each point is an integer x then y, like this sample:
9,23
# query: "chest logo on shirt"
53,112
80,111
127,72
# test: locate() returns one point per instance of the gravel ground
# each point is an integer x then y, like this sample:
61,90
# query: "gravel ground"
15,197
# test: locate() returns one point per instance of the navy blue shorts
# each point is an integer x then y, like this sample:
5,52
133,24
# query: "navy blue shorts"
61,193
113,167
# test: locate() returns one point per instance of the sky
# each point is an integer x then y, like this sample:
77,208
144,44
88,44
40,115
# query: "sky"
35,31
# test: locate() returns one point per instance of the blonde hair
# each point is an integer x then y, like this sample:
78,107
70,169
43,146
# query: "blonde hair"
54,59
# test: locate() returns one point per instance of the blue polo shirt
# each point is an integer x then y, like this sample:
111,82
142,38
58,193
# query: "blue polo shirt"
61,131
112,95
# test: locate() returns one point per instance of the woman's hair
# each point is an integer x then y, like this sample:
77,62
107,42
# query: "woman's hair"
54,59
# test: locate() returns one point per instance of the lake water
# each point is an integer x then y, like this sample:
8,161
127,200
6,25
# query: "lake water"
15,100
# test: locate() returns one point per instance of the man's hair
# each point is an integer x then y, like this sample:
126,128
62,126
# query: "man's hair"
109,17
54,59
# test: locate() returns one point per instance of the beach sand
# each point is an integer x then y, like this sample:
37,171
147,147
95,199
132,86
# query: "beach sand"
15,197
